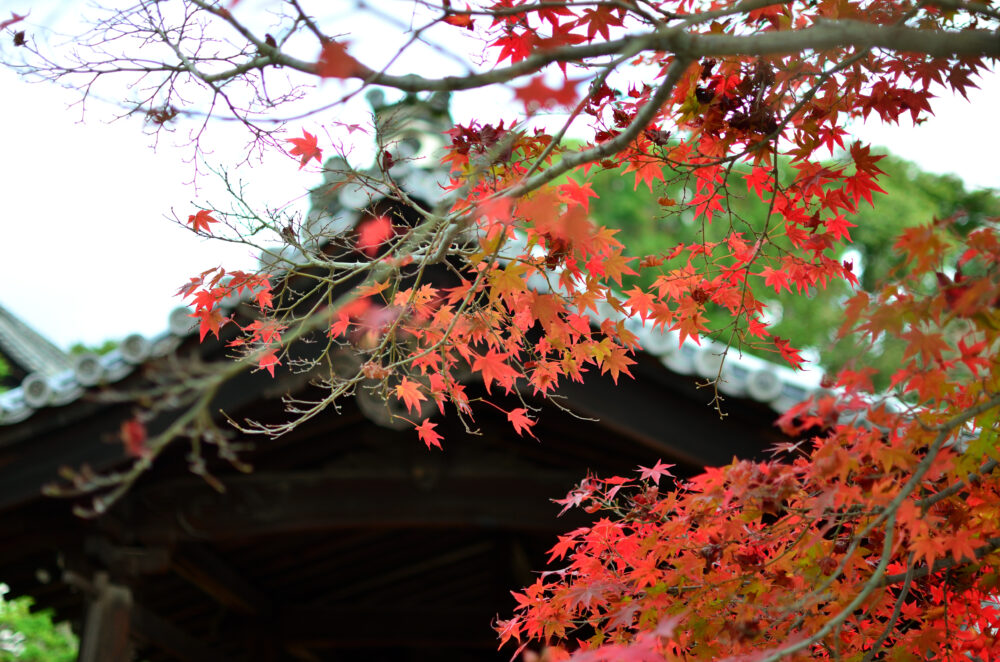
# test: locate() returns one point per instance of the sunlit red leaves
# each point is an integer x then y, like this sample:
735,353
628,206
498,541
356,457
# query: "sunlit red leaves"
599,20
335,62
201,220
306,149
515,46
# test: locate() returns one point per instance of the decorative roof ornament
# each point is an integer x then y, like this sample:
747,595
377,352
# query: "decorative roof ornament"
409,142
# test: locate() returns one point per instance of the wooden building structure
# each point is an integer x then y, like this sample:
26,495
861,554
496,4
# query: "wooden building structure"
349,540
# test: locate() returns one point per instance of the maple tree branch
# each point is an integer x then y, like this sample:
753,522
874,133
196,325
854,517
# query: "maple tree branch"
951,490
873,582
896,610
992,544
642,119
823,36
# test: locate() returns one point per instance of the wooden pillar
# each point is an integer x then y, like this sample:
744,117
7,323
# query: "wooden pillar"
105,636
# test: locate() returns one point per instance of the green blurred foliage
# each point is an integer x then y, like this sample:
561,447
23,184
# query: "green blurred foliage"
809,320
27,636
79,348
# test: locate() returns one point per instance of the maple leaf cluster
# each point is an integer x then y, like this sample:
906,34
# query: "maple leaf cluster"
875,531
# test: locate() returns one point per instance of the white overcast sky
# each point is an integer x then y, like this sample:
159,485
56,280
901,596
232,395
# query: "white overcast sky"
87,251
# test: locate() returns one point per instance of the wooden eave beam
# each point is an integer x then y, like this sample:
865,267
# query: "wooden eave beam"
387,626
163,634
215,577
267,504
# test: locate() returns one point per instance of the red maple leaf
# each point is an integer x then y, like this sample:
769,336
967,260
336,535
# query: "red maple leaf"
372,233
335,62
519,419
409,392
199,222
493,366
428,435
133,436
306,148
14,18
211,320
789,353
838,227
776,278
268,360
537,95
460,20
655,472
573,192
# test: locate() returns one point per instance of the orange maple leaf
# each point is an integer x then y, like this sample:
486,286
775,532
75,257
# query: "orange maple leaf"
493,366
306,148
200,221
428,435
409,392
519,419
646,171
616,362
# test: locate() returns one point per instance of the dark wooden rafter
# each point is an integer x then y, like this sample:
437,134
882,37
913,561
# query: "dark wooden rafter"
655,411
200,566
114,619
387,626
157,631
266,504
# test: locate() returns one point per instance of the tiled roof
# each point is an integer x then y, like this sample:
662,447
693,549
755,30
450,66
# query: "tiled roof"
743,375
31,351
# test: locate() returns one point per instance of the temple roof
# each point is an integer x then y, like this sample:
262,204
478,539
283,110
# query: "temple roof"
29,350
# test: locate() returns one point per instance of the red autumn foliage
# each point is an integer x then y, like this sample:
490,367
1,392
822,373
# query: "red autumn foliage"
874,533
335,62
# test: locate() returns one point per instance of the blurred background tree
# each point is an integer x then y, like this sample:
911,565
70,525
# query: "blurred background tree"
27,636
